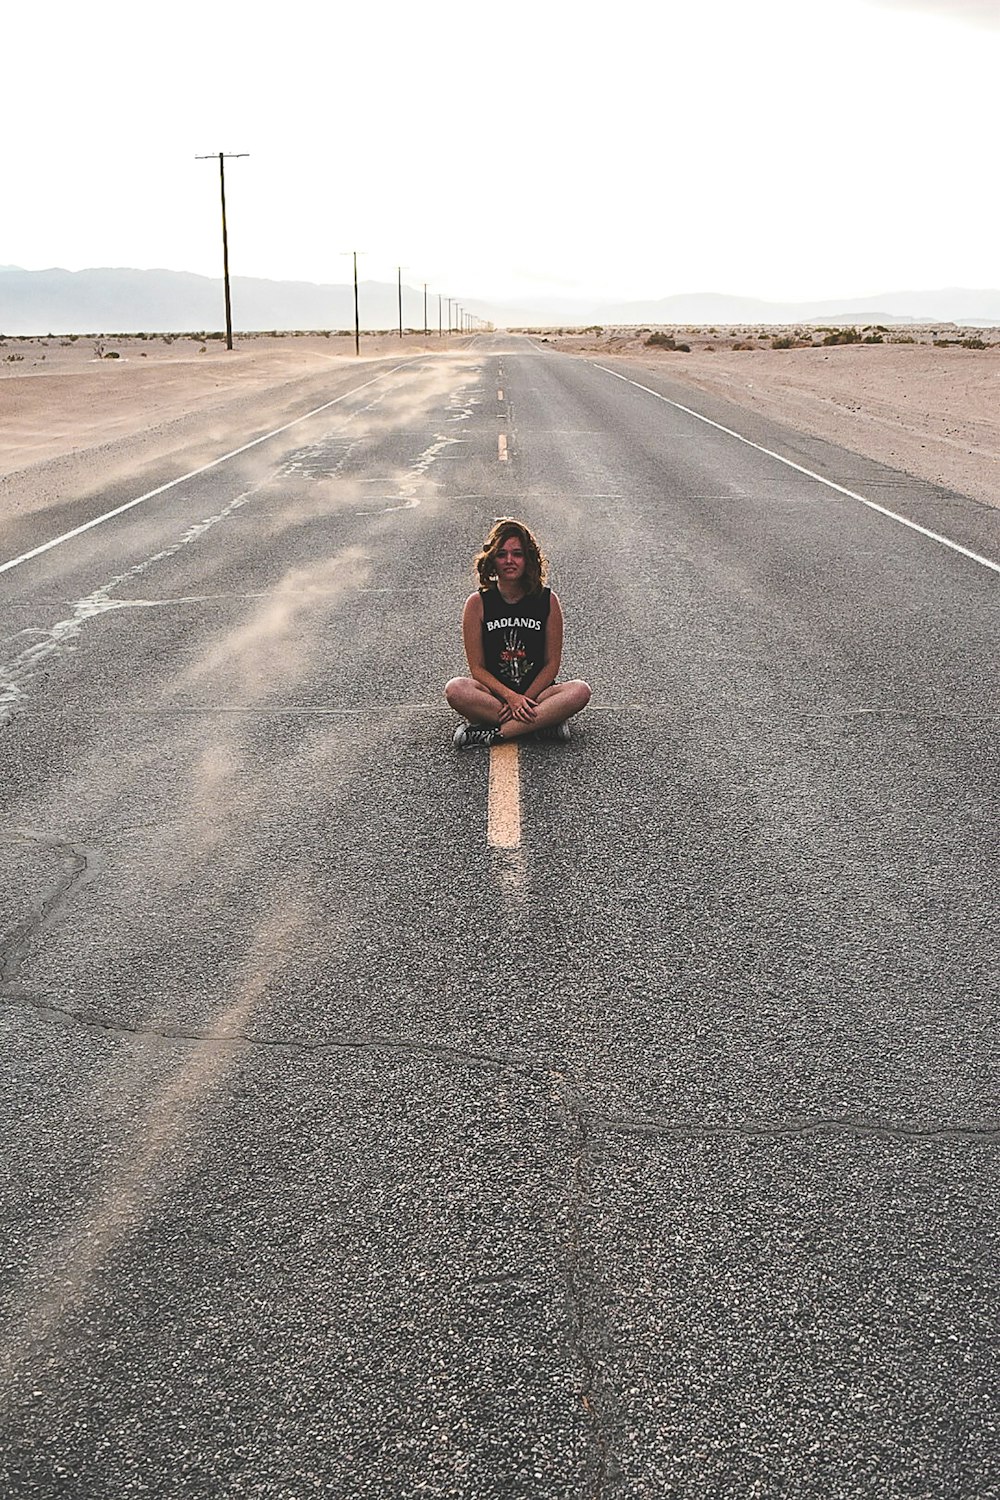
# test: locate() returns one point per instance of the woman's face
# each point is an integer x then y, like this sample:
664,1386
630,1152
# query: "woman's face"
510,560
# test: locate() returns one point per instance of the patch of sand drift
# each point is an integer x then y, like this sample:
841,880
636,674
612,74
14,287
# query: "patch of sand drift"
73,419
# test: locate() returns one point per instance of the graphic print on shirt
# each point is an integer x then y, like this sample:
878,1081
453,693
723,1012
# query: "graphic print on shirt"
515,665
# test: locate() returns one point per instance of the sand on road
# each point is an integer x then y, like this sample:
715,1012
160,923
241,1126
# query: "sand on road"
72,418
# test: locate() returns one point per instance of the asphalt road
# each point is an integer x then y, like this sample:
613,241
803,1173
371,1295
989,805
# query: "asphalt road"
345,1155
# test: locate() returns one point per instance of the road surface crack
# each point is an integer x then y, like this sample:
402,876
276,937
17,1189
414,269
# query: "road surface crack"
580,1116
358,1042
79,864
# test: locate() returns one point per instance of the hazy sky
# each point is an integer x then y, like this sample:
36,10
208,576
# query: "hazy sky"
784,148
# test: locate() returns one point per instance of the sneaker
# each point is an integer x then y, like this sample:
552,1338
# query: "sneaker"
557,732
467,735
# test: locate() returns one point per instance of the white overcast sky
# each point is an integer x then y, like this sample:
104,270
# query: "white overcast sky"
779,148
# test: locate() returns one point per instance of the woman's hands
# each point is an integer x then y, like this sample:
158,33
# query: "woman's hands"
518,706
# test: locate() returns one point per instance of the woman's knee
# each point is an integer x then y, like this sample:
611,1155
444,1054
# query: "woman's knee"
457,690
581,693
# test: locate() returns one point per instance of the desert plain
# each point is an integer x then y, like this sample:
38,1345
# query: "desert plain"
75,412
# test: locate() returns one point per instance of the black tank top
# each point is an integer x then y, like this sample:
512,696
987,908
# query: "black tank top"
514,636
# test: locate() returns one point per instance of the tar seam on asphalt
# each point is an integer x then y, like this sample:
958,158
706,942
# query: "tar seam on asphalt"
14,949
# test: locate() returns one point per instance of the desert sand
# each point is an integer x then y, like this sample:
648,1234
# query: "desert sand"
72,416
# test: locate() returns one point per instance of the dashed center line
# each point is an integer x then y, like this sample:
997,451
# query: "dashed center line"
502,447
499,395
503,823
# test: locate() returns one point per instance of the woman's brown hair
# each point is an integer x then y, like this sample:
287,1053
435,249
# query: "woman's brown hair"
535,566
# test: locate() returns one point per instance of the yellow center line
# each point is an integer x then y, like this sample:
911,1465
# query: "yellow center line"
503,823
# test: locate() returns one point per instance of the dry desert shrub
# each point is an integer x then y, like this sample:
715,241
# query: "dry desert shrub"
666,341
842,336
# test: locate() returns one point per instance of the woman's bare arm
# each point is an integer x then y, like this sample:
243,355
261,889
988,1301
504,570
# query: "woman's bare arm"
553,650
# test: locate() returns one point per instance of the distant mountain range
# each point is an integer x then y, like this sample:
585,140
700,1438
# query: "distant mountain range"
114,300
951,304
122,300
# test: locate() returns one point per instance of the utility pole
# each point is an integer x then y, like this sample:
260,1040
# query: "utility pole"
225,239
357,319
440,325
425,309
399,282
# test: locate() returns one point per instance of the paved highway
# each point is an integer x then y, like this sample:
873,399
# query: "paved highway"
648,1150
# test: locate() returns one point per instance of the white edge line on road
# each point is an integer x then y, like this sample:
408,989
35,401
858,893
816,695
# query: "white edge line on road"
934,536
109,515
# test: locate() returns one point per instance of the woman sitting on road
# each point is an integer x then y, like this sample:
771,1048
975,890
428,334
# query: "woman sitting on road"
513,633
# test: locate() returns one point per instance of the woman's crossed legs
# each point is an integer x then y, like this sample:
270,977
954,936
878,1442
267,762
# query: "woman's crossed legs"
556,704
